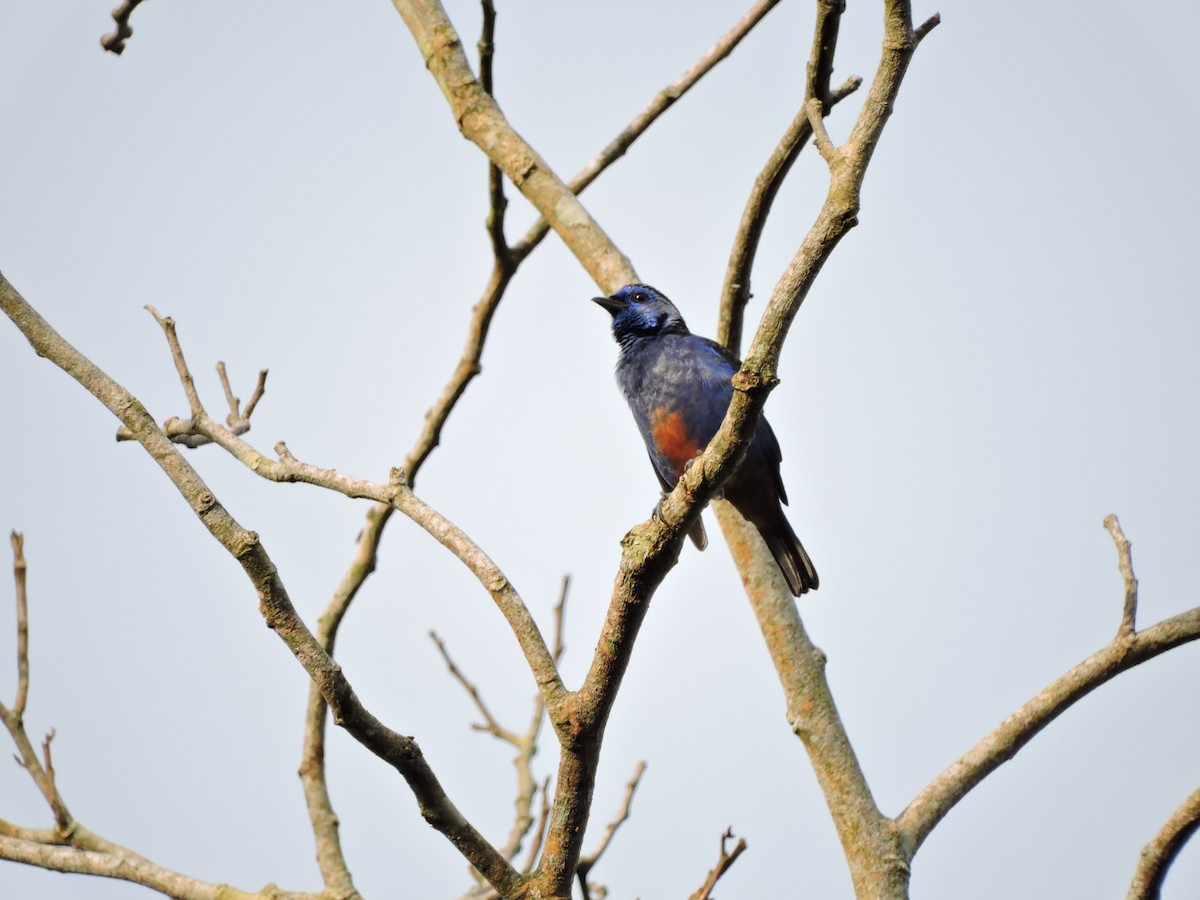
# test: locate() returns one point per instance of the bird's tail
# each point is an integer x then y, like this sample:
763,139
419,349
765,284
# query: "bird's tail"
790,555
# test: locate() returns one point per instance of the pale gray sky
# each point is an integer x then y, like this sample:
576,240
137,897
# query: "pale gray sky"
1003,352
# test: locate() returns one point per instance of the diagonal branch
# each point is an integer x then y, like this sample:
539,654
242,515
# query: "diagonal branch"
659,104
724,860
69,846
1124,652
587,863
1156,857
735,292
399,751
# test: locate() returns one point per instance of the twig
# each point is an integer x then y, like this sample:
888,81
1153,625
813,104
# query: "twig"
69,846
497,202
167,324
19,566
1156,857
724,860
535,846
586,863
114,41
816,121
1125,564
399,751
491,725
184,431
927,26
735,292
824,48
661,102
525,744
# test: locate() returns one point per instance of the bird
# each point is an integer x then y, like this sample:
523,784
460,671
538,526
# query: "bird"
678,386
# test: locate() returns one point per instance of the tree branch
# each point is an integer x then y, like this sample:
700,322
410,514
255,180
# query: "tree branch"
1156,857
724,860
661,102
735,292
1125,651
114,41
401,752
18,546
69,846
587,863
1125,564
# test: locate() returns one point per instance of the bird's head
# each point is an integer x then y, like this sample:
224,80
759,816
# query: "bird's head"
639,311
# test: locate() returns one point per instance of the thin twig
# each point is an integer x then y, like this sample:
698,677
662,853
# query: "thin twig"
114,41
660,103
1156,857
167,324
19,566
816,121
1125,564
735,291
245,546
491,725
724,860
535,847
587,863
497,202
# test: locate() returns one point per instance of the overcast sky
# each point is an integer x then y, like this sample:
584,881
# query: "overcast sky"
1003,352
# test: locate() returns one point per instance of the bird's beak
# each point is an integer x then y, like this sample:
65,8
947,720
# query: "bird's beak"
612,304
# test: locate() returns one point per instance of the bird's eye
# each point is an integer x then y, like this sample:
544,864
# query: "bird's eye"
639,297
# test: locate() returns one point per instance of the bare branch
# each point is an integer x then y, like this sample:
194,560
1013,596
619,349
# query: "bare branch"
1157,856
735,292
1125,564
927,26
183,431
185,374
816,121
539,836
129,867
1006,740
492,726
69,846
399,751
114,41
661,102
18,546
587,863
824,48
724,860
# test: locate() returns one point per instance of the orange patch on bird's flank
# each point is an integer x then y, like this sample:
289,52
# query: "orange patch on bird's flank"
672,437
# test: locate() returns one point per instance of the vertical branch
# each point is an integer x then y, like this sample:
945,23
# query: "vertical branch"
813,716
735,292
1125,564
18,546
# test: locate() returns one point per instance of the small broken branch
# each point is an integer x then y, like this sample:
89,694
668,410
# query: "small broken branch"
185,431
114,41
1125,564
724,860
1127,649
587,863
19,566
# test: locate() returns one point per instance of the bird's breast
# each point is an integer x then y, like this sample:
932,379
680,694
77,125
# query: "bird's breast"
673,439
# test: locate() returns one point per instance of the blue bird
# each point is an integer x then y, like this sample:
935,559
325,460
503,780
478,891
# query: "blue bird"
679,385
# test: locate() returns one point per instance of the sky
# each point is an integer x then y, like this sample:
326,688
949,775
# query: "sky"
999,355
